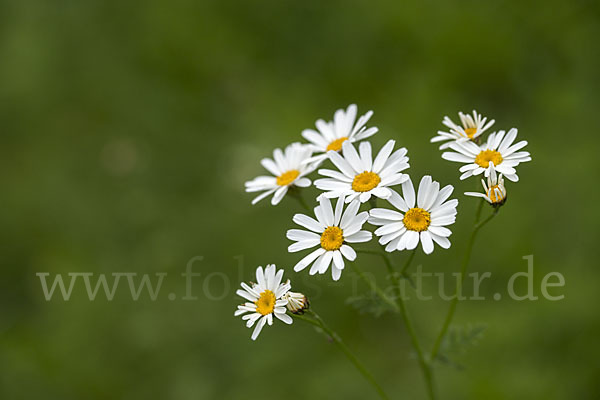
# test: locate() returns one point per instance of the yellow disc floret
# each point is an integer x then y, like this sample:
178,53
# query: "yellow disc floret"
416,219
470,132
365,181
287,177
332,238
336,145
492,194
265,303
483,159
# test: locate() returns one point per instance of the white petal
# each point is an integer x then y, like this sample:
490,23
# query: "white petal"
327,211
442,241
308,223
348,252
383,156
246,295
262,196
397,201
365,155
302,182
349,214
426,242
308,259
384,213
457,157
440,231
412,240
271,166
339,207
408,191
423,190
352,157
336,273
335,175
382,192
258,328
338,260
303,245
317,264
284,318
279,193
325,262
359,237
341,163
299,234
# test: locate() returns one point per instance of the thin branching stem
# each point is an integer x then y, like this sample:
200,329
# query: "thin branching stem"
423,363
460,281
373,285
318,322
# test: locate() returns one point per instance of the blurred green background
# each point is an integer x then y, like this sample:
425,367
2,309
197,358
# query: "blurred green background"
129,128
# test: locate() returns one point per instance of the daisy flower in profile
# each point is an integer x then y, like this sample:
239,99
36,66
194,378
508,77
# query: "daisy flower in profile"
265,299
297,303
288,170
359,176
494,191
423,222
330,232
498,153
471,128
331,135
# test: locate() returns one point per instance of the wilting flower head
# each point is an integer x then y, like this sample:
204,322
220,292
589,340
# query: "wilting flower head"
499,150
330,232
469,129
288,170
359,176
265,299
423,222
494,191
297,303
331,135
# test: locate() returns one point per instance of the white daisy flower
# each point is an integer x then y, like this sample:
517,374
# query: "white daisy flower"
425,223
265,299
495,192
471,127
362,177
331,135
499,150
288,170
331,232
297,302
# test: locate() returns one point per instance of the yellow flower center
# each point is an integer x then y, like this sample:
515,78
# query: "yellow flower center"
287,177
492,194
336,145
417,219
265,303
332,238
483,159
471,132
365,181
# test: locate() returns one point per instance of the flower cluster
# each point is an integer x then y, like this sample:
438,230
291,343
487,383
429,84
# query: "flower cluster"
357,179
499,154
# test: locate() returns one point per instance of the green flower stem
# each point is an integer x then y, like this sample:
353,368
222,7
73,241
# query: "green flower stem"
459,282
401,306
374,287
479,208
318,322
388,264
423,363
408,261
